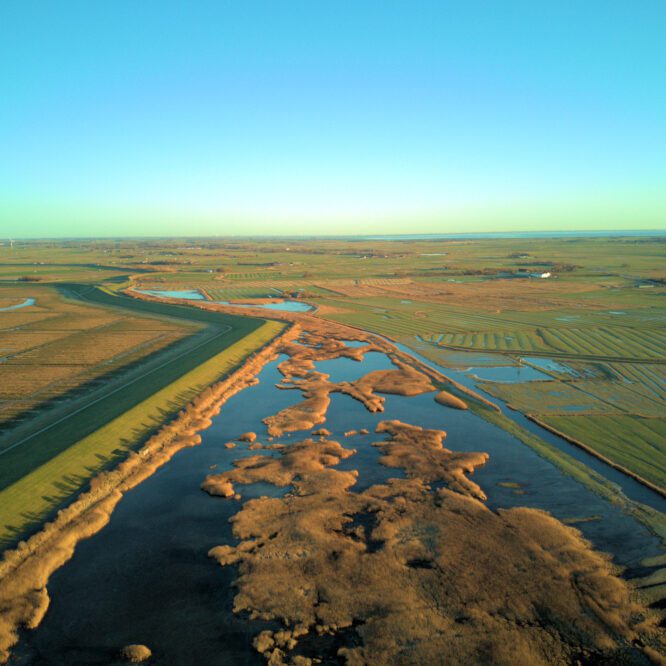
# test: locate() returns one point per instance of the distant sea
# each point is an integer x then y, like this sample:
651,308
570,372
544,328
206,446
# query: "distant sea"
518,234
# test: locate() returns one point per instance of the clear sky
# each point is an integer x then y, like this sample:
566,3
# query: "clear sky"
217,117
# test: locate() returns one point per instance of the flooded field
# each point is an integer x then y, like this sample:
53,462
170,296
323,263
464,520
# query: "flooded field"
146,578
508,373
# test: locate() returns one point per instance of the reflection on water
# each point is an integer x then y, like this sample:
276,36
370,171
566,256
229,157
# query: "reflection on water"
189,294
195,295
285,306
146,577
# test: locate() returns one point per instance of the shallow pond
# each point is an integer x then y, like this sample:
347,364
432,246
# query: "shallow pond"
146,577
189,294
349,370
284,306
512,374
18,306
355,343
194,295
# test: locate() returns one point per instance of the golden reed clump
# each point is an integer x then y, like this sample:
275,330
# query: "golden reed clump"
299,373
449,400
421,576
136,653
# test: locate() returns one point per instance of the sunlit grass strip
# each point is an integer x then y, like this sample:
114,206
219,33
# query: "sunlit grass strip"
630,441
31,499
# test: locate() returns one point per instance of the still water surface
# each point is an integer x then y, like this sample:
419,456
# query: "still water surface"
194,295
146,577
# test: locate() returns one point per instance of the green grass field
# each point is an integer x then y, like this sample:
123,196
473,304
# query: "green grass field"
29,500
24,448
631,441
50,457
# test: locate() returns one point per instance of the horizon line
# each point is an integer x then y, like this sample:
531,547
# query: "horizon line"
378,236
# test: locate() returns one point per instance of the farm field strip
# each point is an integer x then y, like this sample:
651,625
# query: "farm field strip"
220,331
583,396
226,293
455,317
29,500
74,439
61,346
609,435
650,378
108,394
29,387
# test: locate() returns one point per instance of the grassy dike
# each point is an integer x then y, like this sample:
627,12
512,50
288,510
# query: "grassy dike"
31,499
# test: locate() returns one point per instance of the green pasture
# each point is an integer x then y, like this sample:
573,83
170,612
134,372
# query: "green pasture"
54,472
632,441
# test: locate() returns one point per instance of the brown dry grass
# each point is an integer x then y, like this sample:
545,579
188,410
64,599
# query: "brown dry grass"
135,654
421,454
449,400
423,577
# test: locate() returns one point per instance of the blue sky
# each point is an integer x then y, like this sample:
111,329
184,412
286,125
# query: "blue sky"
338,117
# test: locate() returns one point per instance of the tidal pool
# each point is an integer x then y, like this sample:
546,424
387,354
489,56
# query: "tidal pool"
146,578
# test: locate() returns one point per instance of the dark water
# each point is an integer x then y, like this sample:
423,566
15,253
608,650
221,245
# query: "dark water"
146,577
630,487
349,370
